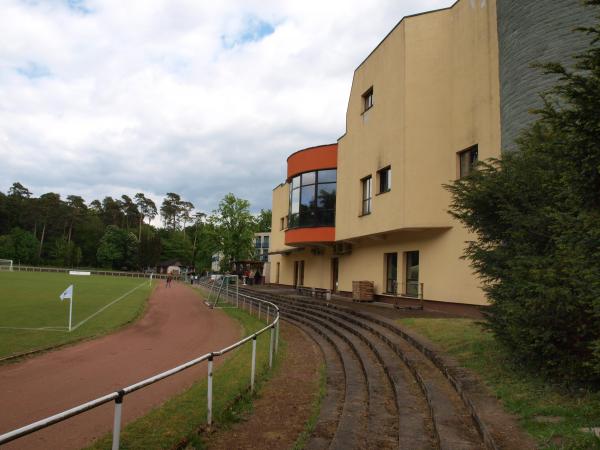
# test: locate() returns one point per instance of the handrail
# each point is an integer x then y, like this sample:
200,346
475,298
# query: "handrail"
118,396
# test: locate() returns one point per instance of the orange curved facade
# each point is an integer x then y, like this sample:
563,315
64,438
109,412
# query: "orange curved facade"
312,158
314,235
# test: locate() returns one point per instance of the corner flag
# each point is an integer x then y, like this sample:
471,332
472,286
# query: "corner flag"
67,294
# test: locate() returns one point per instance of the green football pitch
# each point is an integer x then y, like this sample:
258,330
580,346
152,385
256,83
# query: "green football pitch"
33,317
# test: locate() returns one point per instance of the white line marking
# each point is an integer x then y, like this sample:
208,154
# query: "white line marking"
61,329
106,306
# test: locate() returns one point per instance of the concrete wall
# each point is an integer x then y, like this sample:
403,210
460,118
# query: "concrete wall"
534,31
445,276
436,92
442,82
279,209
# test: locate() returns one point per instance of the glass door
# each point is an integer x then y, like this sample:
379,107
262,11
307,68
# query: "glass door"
412,274
335,271
301,273
296,274
391,264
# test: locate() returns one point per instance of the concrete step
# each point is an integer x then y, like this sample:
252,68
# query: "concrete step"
453,424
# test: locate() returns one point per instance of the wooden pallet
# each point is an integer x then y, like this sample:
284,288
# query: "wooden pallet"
363,291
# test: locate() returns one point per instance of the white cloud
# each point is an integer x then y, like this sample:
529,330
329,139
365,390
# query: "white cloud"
107,97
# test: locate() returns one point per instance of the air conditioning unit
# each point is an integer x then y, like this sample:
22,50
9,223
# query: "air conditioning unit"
342,248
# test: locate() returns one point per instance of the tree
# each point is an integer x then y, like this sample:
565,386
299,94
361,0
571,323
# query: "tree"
50,208
176,245
20,246
112,213
535,216
235,228
150,249
147,208
18,205
4,211
118,249
207,243
198,225
89,232
77,209
170,210
185,214
263,221
65,253
129,210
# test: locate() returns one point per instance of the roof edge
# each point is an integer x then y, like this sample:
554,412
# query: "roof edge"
310,148
399,23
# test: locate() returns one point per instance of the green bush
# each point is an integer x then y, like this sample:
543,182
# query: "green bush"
535,215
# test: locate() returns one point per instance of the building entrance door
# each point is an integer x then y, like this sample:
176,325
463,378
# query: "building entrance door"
298,273
335,271
391,264
412,274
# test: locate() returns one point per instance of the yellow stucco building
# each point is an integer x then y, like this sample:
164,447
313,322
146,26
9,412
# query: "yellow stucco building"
424,106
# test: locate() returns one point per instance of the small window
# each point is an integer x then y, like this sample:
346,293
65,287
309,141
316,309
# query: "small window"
281,223
467,160
367,195
385,179
368,99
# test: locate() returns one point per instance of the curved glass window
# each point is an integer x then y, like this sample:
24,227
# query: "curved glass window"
312,199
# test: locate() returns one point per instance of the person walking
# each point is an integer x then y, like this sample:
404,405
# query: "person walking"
169,280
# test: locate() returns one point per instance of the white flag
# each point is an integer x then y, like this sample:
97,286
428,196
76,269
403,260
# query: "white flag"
67,294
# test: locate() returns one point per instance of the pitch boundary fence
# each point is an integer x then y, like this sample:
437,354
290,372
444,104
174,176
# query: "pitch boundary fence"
253,303
109,273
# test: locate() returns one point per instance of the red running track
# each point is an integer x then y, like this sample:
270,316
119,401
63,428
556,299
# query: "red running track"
177,327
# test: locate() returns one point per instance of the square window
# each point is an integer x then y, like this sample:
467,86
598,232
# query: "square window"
367,195
385,179
368,99
467,159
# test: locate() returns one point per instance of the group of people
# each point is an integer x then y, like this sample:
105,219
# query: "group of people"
248,276
251,276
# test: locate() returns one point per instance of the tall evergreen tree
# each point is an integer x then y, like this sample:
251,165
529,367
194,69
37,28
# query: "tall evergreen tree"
535,215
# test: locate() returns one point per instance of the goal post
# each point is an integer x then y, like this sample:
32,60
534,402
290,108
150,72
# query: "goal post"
227,290
6,265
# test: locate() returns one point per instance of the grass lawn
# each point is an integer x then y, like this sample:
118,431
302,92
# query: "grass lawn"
180,418
32,316
547,412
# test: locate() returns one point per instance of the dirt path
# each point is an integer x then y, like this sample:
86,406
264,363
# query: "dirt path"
176,328
285,402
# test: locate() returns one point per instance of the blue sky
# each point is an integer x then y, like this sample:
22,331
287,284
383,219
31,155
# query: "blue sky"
105,97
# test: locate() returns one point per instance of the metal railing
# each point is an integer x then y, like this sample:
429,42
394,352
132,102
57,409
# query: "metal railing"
118,396
110,273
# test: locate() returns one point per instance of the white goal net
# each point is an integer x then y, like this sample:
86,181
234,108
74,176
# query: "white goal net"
6,265
224,290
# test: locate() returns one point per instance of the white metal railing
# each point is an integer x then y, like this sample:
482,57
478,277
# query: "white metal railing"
111,273
118,396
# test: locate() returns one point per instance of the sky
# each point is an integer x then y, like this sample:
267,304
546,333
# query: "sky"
201,98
